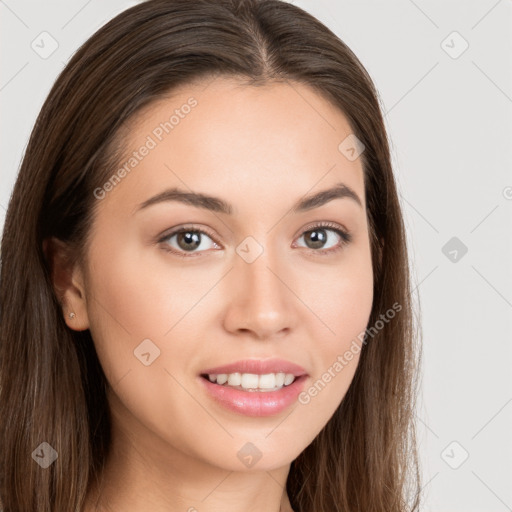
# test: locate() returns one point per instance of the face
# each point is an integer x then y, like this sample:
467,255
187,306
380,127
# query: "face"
257,274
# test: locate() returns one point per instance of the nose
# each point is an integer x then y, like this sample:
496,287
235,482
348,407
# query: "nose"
260,298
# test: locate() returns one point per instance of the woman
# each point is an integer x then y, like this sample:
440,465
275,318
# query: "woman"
205,290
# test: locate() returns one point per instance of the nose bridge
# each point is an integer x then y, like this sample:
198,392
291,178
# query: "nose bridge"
262,302
260,275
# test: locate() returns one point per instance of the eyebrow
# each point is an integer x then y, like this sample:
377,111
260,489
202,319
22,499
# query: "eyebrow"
215,204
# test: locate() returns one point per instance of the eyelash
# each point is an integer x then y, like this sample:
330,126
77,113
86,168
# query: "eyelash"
345,237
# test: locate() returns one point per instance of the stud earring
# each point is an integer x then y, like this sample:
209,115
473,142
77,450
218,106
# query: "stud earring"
72,315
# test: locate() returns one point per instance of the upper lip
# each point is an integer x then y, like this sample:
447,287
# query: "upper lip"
258,367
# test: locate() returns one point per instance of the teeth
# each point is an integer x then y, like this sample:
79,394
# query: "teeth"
288,379
247,381
221,379
267,381
252,381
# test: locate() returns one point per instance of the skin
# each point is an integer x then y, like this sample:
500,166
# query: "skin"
261,150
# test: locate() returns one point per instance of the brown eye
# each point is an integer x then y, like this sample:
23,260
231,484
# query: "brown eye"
325,238
316,237
188,240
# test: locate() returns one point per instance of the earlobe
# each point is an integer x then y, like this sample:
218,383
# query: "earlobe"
67,281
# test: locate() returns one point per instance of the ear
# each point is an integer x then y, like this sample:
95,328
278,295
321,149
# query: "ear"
68,283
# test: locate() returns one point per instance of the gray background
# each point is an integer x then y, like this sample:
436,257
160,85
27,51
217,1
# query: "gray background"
448,114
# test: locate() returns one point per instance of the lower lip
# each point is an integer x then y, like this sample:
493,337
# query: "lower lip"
255,403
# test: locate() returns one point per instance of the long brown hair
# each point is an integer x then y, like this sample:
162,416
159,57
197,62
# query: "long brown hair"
52,387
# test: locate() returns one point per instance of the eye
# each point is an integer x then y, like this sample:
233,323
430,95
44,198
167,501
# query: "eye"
188,240
324,234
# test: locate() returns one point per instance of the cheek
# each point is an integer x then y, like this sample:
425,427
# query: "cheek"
341,297
138,305
342,302
134,294
137,291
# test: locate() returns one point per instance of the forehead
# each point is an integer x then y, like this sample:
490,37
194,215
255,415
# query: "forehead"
222,136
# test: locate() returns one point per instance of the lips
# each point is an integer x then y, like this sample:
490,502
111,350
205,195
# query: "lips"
258,367
275,397
256,404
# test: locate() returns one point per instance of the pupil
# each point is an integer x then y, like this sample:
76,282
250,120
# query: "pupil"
318,238
189,237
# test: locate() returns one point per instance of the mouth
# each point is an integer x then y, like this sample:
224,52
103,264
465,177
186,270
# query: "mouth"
253,394
255,387
255,374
